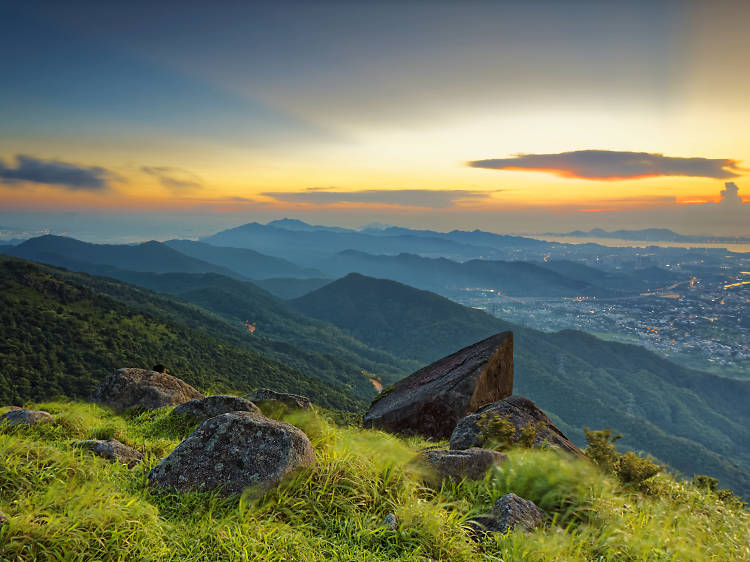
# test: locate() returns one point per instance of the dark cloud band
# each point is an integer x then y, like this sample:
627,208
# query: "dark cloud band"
402,197
613,165
55,172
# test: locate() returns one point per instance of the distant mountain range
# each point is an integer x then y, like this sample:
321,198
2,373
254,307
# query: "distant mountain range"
511,278
553,278
647,235
246,262
315,244
153,257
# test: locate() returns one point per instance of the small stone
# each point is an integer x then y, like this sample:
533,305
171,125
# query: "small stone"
509,512
112,450
211,406
26,417
471,464
291,400
390,521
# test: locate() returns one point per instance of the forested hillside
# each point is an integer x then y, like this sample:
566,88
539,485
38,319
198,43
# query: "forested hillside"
59,338
314,347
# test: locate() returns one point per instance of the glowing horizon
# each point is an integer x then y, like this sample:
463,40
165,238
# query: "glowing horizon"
253,113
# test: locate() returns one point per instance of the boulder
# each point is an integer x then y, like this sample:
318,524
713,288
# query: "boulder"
112,450
26,417
205,408
232,452
509,512
471,464
518,410
430,401
129,388
291,400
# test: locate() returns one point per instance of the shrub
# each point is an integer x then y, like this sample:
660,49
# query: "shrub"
629,468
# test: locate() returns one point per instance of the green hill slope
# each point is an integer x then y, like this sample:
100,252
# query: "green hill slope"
317,348
246,262
695,421
60,338
148,256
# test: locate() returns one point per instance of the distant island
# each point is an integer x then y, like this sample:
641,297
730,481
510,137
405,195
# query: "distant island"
647,235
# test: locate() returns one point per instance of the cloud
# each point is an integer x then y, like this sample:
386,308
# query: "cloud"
431,198
613,165
55,172
173,178
730,195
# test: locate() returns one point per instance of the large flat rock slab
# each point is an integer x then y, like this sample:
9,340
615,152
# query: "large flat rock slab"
141,388
471,431
232,452
430,401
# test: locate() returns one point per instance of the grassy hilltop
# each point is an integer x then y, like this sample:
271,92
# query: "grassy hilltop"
64,504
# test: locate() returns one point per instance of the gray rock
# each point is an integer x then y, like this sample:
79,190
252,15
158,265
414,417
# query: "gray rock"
128,388
390,522
471,464
430,401
509,512
520,411
291,400
112,450
26,417
205,408
235,451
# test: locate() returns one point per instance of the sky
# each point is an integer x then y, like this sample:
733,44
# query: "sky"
144,119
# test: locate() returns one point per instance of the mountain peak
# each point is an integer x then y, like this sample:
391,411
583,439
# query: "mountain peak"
290,224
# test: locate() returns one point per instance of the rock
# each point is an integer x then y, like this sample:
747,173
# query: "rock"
430,401
471,464
520,411
509,512
291,400
26,417
390,522
128,388
4,520
234,451
205,408
112,450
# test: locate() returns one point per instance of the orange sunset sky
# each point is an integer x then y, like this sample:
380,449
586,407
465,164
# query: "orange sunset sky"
510,117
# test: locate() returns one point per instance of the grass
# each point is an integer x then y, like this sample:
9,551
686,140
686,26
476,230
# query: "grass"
65,504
